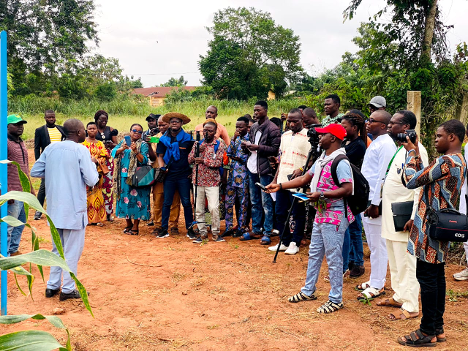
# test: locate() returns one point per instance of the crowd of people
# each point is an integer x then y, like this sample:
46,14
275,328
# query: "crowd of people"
259,176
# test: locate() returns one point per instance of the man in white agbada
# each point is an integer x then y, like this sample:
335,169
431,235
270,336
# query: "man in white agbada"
374,168
402,264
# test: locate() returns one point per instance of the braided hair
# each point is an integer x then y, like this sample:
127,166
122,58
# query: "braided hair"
357,118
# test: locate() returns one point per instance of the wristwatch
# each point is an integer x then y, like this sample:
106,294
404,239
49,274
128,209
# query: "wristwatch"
322,196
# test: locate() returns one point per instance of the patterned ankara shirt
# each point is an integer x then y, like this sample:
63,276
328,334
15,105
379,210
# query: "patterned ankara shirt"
444,177
208,171
16,151
238,171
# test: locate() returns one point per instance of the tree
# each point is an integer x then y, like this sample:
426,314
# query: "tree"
43,33
249,55
174,82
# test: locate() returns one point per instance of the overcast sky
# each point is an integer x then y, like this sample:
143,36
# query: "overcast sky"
156,40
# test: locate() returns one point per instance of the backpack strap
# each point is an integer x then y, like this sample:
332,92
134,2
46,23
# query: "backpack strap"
334,166
216,147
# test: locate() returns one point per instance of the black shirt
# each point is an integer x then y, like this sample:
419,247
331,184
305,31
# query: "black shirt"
180,168
355,151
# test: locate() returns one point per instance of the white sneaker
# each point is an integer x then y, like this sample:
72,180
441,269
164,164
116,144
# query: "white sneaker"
282,247
463,275
292,249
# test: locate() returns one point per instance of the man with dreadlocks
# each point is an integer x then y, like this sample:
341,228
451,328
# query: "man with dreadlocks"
355,146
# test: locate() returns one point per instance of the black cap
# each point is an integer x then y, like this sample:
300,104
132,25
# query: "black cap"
153,116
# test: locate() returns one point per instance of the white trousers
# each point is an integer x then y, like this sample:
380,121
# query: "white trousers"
403,275
212,194
378,249
73,244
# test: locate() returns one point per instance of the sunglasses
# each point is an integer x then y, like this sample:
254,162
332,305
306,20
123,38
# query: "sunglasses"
137,131
371,120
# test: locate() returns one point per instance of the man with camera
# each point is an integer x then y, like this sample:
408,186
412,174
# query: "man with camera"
293,152
374,168
441,182
152,120
399,198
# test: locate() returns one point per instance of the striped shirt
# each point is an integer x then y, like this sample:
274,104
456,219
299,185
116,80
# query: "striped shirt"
16,152
54,135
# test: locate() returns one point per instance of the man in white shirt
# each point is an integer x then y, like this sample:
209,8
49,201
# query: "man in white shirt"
294,149
374,167
402,264
463,275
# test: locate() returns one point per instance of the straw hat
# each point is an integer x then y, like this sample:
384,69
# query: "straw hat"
167,117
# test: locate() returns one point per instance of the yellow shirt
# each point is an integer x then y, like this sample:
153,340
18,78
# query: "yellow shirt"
54,134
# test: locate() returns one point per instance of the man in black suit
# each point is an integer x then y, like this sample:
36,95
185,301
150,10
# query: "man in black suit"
45,135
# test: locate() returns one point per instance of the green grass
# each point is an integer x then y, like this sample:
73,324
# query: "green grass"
124,110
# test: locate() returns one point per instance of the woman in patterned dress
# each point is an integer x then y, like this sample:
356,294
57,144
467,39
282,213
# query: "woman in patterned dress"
133,204
99,155
108,136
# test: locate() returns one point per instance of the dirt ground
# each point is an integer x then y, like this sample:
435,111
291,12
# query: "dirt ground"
170,294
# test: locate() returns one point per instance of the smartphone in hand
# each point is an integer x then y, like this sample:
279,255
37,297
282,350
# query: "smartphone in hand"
128,140
260,186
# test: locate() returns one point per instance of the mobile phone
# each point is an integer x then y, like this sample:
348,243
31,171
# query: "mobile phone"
154,139
260,186
128,140
301,196
289,176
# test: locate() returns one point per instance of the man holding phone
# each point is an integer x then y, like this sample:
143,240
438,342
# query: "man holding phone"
265,138
293,151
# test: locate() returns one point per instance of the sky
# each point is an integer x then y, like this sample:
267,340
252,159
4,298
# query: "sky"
157,40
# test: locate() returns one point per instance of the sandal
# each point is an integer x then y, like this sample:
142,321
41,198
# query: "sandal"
248,236
100,224
389,303
132,232
403,314
363,286
300,296
370,293
329,307
417,339
265,240
440,335
127,229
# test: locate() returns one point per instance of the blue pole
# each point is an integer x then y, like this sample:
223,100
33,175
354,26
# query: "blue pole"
3,167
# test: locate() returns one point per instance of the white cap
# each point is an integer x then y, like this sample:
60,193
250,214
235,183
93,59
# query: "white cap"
378,101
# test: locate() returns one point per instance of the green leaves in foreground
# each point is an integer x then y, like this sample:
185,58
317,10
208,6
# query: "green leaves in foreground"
32,339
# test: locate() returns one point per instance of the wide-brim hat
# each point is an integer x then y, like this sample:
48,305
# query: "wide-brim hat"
168,116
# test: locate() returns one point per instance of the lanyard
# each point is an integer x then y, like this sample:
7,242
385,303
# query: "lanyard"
390,164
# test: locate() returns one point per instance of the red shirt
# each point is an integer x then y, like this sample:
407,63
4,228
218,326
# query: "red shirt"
16,152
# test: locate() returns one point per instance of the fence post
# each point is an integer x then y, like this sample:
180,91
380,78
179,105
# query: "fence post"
3,167
413,104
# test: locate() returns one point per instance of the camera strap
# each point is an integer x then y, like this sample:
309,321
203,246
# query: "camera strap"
390,164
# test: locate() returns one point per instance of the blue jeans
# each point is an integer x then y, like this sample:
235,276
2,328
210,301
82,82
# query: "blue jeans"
355,252
284,200
183,185
261,202
16,210
327,239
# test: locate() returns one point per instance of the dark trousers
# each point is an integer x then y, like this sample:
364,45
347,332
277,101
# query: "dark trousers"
41,193
183,185
431,278
284,200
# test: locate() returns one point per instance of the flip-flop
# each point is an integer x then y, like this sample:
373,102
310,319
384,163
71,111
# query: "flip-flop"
265,240
245,237
390,302
402,314
127,229
132,232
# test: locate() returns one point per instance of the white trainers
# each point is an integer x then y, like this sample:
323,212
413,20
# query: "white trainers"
282,247
463,275
292,249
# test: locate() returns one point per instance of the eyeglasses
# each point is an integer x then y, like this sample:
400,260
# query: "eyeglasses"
371,120
392,123
137,131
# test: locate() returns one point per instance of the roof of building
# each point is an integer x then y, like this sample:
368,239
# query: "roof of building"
159,91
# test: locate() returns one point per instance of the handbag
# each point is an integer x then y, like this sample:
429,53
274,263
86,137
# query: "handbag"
401,214
143,176
446,224
160,174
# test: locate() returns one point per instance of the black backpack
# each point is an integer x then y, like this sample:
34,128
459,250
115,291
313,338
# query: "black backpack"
358,201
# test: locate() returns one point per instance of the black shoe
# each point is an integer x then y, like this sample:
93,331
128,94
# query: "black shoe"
238,233
51,292
150,224
37,215
227,232
357,271
163,234
198,240
191,234
73,295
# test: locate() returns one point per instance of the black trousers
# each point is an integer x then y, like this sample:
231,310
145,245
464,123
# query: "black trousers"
41,193
431,278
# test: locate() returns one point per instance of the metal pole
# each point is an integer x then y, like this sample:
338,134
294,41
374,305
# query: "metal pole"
3,167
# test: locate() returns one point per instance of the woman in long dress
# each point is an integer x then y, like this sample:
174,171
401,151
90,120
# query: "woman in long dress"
99,155
108,136
133,204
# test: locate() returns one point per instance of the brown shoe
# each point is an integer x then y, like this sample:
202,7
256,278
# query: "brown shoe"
17,253
174,231
357,271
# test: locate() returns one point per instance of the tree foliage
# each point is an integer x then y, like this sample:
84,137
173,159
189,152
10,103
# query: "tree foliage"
174,82
249,55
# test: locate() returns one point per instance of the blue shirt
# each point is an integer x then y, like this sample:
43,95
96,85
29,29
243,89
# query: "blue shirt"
238,175
67,169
